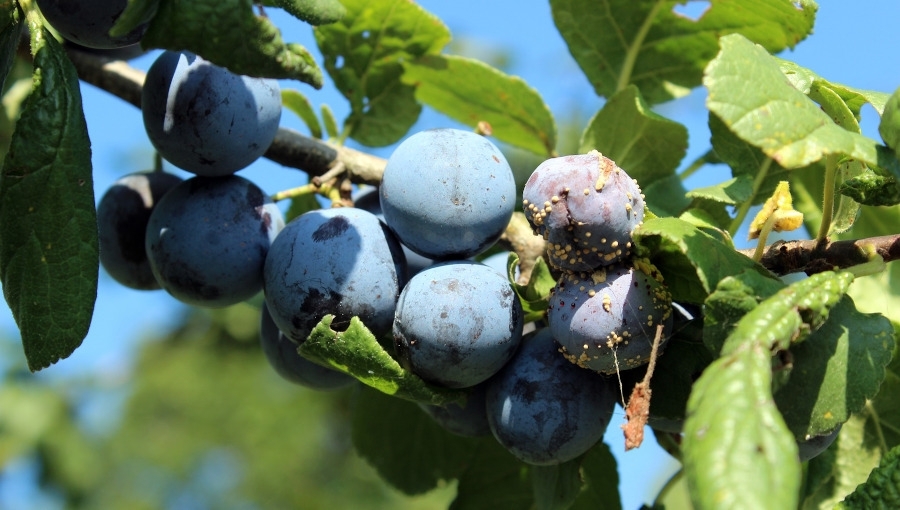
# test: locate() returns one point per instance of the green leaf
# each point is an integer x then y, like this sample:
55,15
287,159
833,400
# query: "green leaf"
10,37
314,12
471,92
328,119
364,52
870,188
49,258
357,352
301,204
136,13
601,481
889,127
407,447
882,488
646,145
229,34
807,81
494,480
534,295
734,297
621,42
691,261
556,486
296,102
756,114
836,370
738,452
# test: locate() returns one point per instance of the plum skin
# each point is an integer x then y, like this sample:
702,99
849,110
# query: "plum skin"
205,119
457,323
208,237
545,410
282,355
606,320
586,207
342,261
122,216
87,22
447,193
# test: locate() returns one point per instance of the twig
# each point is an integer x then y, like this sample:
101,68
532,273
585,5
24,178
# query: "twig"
811,256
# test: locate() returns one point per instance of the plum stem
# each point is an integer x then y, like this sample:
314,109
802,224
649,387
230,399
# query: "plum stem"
745,207
831,165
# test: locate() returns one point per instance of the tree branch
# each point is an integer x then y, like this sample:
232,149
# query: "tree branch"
810,256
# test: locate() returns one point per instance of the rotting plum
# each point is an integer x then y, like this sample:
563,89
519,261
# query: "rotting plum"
208,237
342,261
87,22
469,420
282,354
457,323
545,410
122,216
606,320
447,193
586,207
205,119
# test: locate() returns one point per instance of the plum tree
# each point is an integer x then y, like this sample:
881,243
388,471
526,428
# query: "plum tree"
122,216
208,237
457,323
204,118
545,410
87,22
447,193
334,261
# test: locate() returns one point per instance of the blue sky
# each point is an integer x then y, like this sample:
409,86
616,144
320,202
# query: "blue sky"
853,43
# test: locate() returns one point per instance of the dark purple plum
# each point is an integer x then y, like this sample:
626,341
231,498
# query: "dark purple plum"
606,320
469,420
208,237
586,207
282,354
447,193
205,119
457,323
87,22
122,216
369,200
545,410
342,261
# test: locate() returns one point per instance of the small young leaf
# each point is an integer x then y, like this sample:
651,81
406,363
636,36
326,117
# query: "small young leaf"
296,102
301,204
619,42
136,13
556,486
535,294
314,12
245,43
357,352
646,145
49,259
407,447
10,37
471,92
494,480
331,127
889,128
870,188
882,489
363,54
601,481
755,114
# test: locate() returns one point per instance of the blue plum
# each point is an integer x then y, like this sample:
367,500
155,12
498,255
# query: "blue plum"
469,420
369,200
586,207
545,410
206,119
342,261
122,216
87,22
457,323
282,354
606,320
447,193
208,237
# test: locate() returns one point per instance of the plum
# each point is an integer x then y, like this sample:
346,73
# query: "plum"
457,323
586,207
87,22
282,354
205,119
545,410
447,193
369,200
342,261
208,237
606,320
122,216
